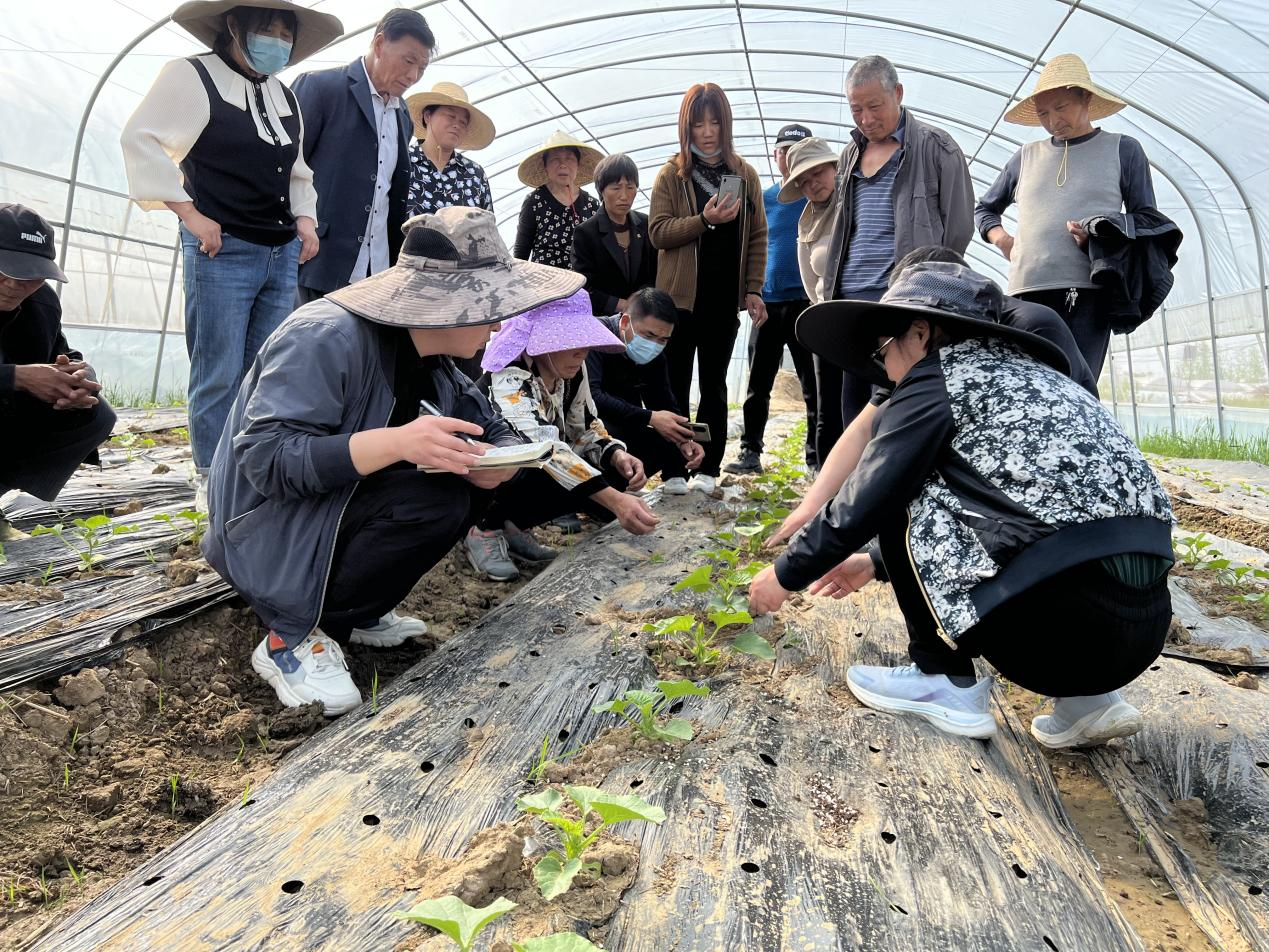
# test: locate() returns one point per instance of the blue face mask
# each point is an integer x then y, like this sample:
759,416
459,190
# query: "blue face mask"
267,54
643,351
701,155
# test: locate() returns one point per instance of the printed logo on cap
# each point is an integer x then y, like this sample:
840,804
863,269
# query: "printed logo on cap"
36,238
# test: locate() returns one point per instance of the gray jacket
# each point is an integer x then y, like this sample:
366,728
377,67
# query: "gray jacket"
283,472
933,196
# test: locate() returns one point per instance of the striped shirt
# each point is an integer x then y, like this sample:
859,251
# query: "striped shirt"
870,255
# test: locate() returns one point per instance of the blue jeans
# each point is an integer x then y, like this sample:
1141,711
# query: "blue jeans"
233,302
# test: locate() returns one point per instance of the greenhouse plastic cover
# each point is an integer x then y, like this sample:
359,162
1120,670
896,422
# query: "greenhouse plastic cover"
614,73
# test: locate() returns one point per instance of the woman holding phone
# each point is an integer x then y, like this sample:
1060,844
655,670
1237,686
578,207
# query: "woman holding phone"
709,225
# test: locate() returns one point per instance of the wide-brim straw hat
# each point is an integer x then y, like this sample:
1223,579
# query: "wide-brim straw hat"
566,324
1063,72
947,295
802,157
204,20
455,271
533,169
480,130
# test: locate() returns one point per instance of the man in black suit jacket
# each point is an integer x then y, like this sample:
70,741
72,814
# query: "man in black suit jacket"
632,391
350,116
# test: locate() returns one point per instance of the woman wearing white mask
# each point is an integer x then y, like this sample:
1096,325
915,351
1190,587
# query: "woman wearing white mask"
217,140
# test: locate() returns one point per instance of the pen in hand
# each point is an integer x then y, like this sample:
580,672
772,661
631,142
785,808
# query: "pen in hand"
427,407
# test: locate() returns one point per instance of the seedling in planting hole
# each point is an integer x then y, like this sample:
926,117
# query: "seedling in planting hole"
131,442
193,532
560,942
1192,550
725,586
461,922
175,781
545,759
642,708
554,873
45,578
692,637
90,533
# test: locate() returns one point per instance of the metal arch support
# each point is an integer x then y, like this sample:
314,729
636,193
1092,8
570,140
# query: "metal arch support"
83,126
753,84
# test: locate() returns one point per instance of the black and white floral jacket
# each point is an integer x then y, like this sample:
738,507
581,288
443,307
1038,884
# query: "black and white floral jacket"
1006,472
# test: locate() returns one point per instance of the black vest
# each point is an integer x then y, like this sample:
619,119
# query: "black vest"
237,179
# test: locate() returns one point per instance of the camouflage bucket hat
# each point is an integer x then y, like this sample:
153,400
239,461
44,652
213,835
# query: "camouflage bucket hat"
454,270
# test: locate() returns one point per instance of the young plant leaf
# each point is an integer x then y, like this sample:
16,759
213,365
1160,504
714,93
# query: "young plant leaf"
554,876
456,919
721,619
560,942
751,644
614,807
682,688
698,581
548,800
675,729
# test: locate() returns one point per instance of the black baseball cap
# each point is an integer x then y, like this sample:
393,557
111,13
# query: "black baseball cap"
792,133
27,249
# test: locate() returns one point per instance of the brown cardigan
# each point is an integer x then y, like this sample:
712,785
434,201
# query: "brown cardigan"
675,226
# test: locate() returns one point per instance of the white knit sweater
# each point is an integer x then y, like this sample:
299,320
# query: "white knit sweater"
174,114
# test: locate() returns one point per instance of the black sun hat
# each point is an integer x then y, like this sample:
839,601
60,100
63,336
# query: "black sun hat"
27,249
947,295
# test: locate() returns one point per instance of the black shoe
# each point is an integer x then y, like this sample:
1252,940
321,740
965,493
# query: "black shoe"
568,523
749,462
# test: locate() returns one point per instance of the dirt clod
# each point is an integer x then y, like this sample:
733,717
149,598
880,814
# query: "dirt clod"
1246,679
80,689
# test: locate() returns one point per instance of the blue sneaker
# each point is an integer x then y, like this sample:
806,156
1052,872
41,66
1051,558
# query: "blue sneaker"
909,690
313,670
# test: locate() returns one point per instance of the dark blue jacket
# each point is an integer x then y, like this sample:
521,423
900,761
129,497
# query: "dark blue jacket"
341,146
283,470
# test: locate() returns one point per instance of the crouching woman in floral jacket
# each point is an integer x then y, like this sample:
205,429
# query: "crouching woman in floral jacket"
1013,517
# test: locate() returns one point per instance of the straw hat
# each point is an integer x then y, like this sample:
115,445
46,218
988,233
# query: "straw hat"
1062,72
802,157
845,332
454,271
533,168
480,131
205,19
566,324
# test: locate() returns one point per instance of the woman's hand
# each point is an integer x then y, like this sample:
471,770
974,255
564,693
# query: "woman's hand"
757,309
850,576
306,228
719,214
792,523
766,594
693,454
632,513
631,467
206,231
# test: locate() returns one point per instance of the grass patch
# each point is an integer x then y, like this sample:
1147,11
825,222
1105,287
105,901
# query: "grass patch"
1205,443
140,397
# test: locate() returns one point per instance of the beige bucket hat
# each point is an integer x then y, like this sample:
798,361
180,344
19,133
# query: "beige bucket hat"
453,271
533,168
204,20
480,131
802,157
1062,72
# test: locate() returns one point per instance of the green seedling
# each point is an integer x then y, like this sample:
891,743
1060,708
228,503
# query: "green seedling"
174,781
193,527
642,708
73,741
246,793
131,442
181,432
457,920
263,741
84,536
656,558
555,872
66,776
242,749
45,578
726,586
560,942
691,635
76,875
13,892
545,759
374,693
1196,552
160,699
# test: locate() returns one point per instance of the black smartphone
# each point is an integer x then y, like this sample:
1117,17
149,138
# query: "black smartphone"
700,432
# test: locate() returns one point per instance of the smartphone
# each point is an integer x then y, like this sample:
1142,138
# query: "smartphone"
730,185
700,431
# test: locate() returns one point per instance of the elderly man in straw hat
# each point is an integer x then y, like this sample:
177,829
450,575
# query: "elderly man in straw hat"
321,514
1078,172
441,176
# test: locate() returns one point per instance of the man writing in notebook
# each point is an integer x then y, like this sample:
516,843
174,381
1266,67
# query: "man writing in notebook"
322,515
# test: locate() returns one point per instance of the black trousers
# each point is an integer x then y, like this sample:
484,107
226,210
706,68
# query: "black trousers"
649,447
840,396
706,336
43,447
305,295
766,349
1085,316
398,524
1076,633
533,498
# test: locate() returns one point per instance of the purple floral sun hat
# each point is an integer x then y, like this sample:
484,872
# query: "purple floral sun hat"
566,324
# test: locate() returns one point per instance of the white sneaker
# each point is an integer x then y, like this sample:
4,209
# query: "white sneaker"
315,670
200,493
677,486
389,631
702,483
908,690
1086,721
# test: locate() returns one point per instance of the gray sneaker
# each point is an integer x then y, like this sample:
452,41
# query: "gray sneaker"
523,543
487,553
